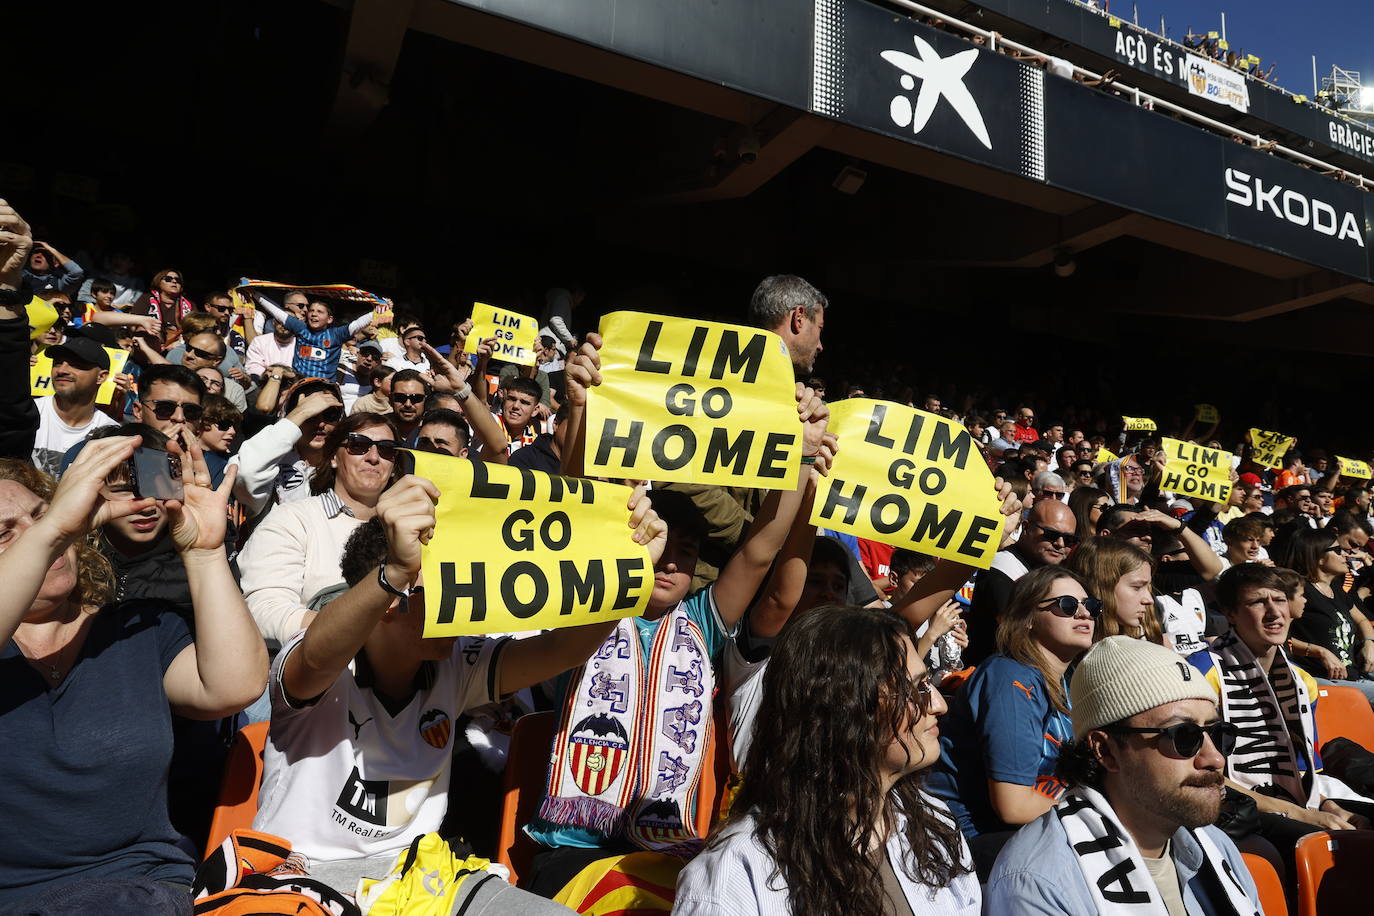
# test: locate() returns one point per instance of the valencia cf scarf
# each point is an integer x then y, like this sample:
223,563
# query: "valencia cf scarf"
1113,869
631,738
1274,714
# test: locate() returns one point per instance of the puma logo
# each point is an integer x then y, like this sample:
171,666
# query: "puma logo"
357,726
1023,687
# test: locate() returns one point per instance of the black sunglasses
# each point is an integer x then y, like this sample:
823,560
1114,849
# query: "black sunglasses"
217,307
223,426
408,398
204,354
1186,737
1068,605
1054,534
358,444
331,414
164,410
171,279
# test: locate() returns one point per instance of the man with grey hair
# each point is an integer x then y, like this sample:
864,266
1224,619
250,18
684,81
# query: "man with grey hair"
1049,485
794,310
1144,784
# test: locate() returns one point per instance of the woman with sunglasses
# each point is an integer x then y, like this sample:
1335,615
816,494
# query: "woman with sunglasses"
1087,503
831,817
294,553
1332,641
219,425
165,302
1002,733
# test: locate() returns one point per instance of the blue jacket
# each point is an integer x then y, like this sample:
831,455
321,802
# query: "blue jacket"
1037,873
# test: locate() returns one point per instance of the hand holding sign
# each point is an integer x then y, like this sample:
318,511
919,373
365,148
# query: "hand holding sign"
1192,470
521,550
910,479
407,512
1268,448
1351,468
513,334
690,401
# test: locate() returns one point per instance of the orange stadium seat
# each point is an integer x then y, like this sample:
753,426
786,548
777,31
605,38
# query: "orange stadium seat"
1267,882
527,769
238,793
1333,872
1343,712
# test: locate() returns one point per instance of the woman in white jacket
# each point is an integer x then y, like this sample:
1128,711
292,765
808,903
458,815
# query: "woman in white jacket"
831,817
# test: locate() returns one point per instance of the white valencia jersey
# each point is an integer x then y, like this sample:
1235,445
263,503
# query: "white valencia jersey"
343,779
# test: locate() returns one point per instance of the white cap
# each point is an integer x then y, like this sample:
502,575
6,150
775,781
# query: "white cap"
1121,676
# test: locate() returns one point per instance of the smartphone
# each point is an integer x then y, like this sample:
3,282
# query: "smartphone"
156,473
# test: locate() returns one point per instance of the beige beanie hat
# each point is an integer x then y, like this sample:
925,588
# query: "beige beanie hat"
1121,676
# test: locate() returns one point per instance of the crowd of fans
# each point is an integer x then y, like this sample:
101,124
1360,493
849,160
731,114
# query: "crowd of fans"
230,536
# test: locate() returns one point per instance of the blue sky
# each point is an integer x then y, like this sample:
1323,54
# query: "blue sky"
1339,32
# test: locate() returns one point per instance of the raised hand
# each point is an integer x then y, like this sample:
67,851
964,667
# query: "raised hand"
1011,512
198,520
16,241
814,415
583,370
649,529
406,509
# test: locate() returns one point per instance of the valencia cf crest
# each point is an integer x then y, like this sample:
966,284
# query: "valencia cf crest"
597,750
436,728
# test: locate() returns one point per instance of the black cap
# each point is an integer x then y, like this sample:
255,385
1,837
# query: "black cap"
84,349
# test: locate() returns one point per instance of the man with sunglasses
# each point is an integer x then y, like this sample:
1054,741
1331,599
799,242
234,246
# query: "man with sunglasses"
1133,832
1277,760
277,464
221,307
407,398
412,355
1047,537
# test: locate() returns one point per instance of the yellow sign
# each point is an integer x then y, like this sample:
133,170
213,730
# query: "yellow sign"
1207,413
41,317
1134,424
515,550
515,333
1268,448
693,401
40,375
911,479
1103,455
1196,471
1352,468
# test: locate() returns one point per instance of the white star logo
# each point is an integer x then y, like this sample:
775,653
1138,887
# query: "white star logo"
939,76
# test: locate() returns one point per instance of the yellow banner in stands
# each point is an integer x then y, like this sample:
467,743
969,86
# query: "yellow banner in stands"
911,479
693,401
1207,413
1103,455
1352,468
1196,471
516,550
40,375
515,333
1135,424
1268,448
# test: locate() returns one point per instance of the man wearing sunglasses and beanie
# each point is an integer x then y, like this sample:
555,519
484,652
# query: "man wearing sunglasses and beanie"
1133,833
1047,538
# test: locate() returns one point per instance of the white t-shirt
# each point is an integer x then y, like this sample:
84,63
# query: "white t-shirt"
401,361
1184,622
743,684
54,437
345,780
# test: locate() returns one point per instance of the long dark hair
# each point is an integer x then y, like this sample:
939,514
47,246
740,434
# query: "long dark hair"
1302,552
1014,638
836,694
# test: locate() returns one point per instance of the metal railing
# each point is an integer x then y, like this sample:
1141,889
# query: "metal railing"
996,42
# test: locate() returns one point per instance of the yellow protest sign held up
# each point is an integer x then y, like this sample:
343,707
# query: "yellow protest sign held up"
1207,413
693,401
515,333
1352,468
1196,471
1268,448
519,550
1104,455
1135,424
40,375
911,479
